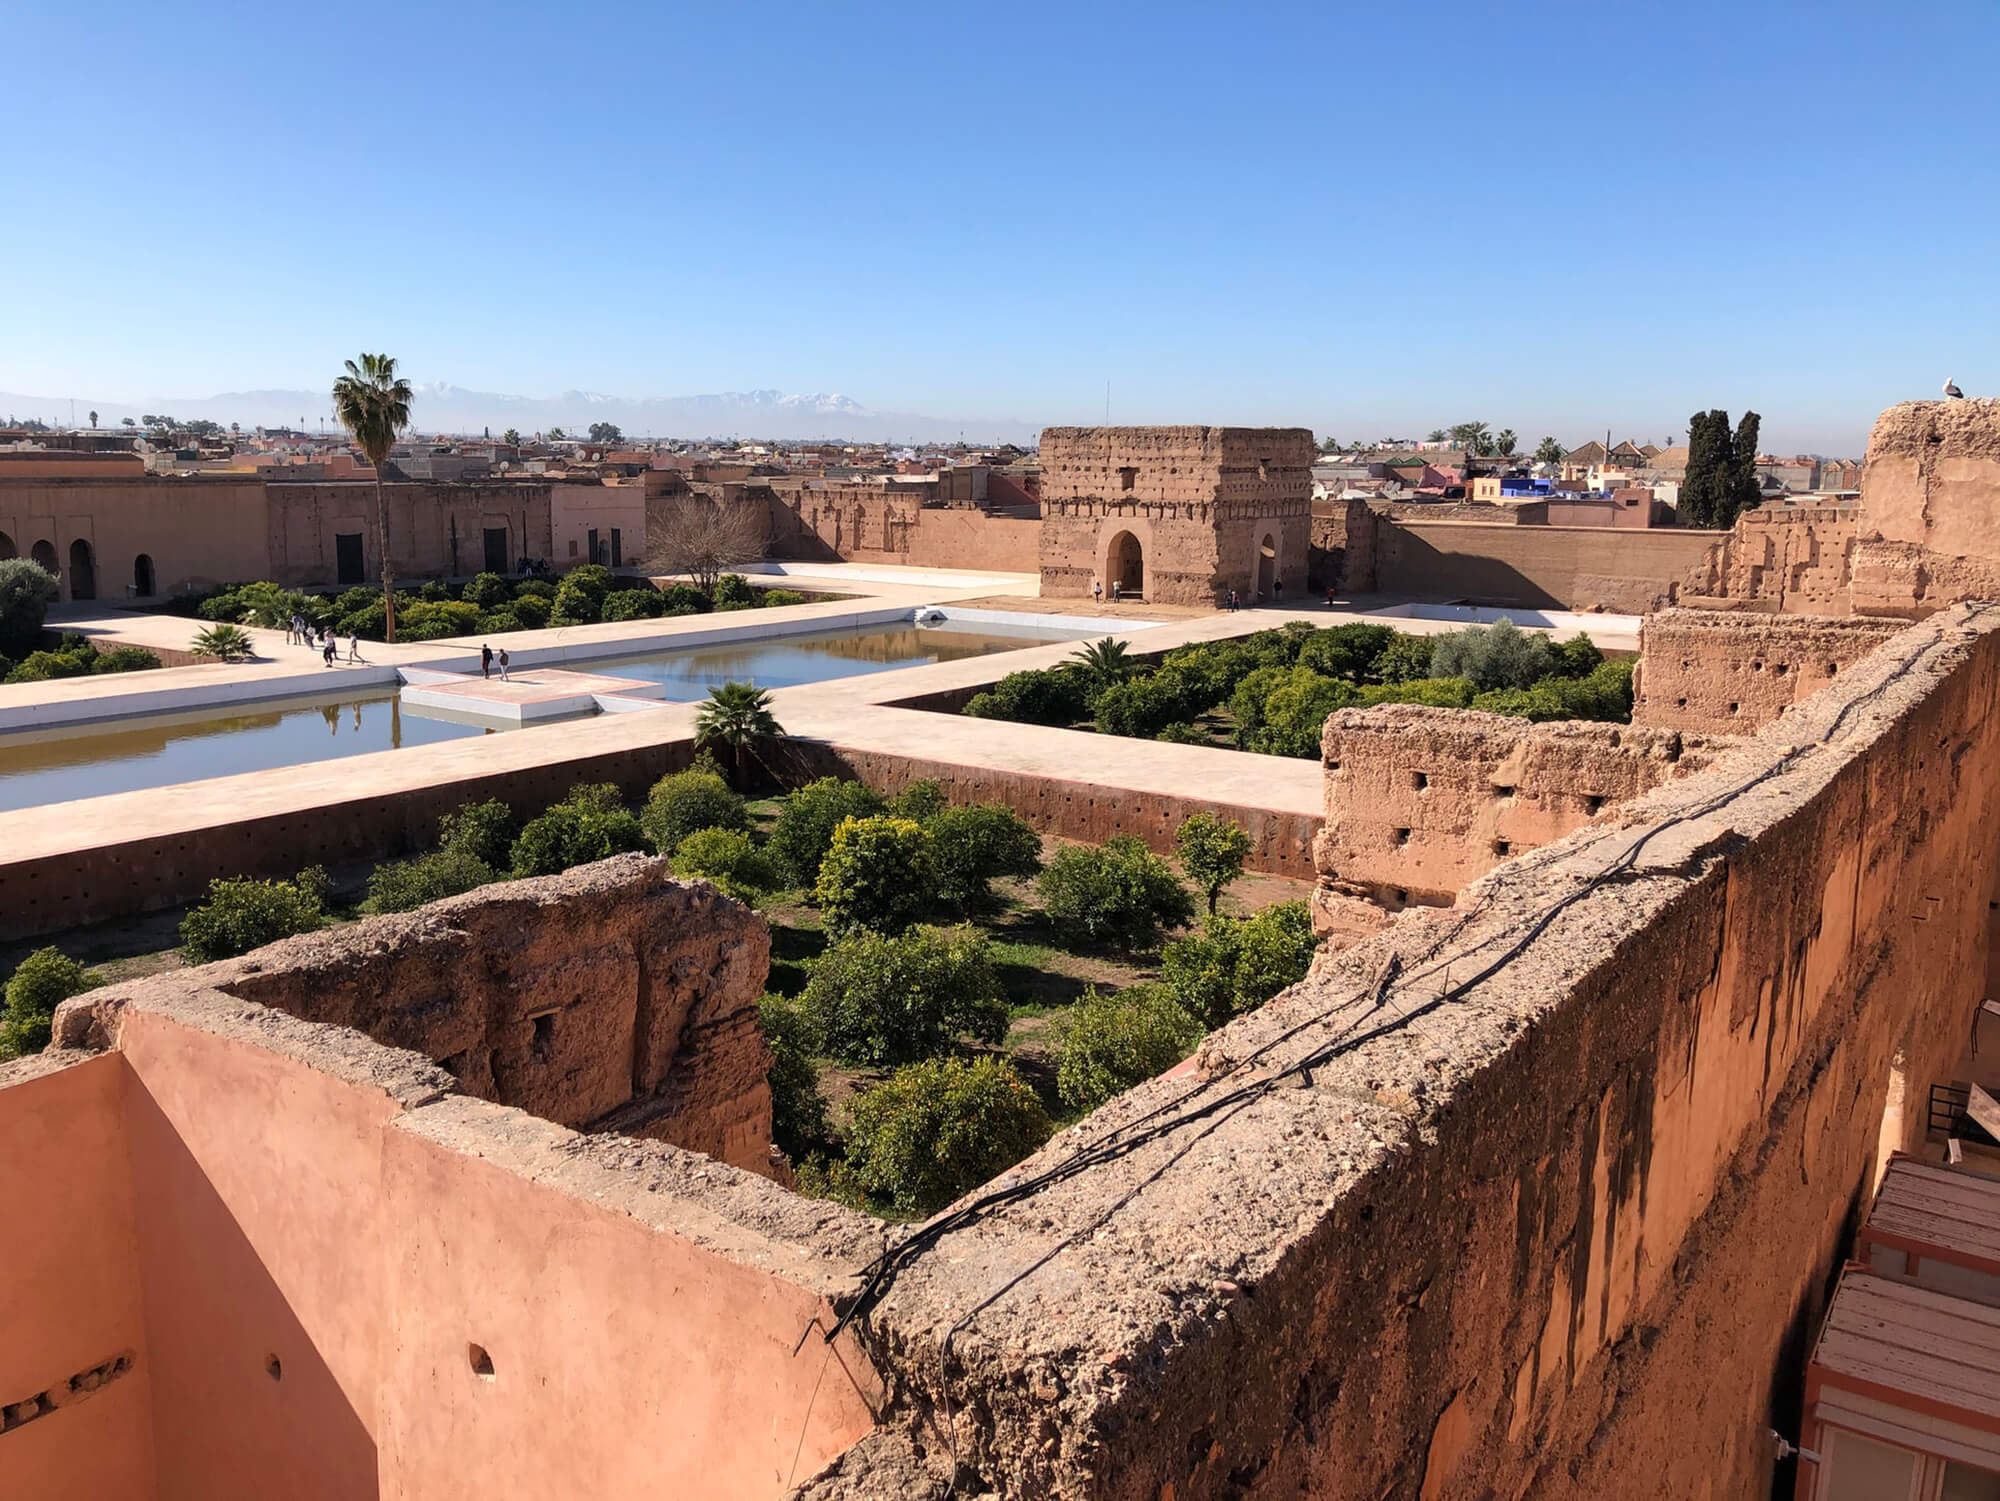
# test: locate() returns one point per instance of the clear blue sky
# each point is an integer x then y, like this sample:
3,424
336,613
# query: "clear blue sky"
1364,218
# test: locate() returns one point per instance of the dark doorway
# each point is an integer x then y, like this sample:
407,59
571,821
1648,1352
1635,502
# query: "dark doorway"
617,549
1127,567
1267,566
82,571
7,547
496,550
349,569
45,554
591,543
142,575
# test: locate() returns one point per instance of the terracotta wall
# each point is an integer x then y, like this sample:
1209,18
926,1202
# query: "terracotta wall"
611,997
196,530
76,1368
576,510
305,518
1932,477
1537,1197
1421,802
342,1282
1724,673
973,539
1538,567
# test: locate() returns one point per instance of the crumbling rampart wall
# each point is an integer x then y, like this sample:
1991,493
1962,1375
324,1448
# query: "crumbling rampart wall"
1421,802
1536,1196
611,997
1725,673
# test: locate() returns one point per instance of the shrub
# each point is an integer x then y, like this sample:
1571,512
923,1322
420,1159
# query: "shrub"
590,824
1346,651
499,623
1495,656
370,621
227,643
403,885
433,620
575,605
1050,695
731,860
733,592
1246,701
532,611
1406,659
1577,657
1184,732
125,659
1109,1042
242,914
776,598
1212,669
488,591
1236,964
1605,694
806,822
921,801
26,588
1439,693
687,801
1118,892
973,844
360,597
1293,714
798,1110
939,1128
41,666
1212,852
40,983
684,599
1143,706
542,589
877,998
877,874
433,591
485,831
632,604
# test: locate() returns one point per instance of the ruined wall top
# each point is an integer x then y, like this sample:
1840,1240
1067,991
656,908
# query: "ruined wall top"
1933,477
1177,465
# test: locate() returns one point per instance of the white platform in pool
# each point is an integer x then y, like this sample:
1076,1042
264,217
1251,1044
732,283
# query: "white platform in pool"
528,696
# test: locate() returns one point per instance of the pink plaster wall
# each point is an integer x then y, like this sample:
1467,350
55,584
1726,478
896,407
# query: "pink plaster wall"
626,1361
70,1294
258,1188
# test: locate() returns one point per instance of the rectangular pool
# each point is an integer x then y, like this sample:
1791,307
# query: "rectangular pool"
39,767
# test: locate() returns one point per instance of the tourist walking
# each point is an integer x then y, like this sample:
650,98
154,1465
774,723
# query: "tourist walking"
1097,589
354,646
503,664
485,660
329,651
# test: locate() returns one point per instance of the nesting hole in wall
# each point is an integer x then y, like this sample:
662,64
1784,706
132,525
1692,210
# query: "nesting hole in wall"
1781,669
1734,707
1420,780
1502,848
545,1033
1593,804
274,1368
481,1362
1402,836
1500,791
1333,766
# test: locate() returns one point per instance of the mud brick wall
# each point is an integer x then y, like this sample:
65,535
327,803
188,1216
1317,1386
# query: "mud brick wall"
1726,673
611,997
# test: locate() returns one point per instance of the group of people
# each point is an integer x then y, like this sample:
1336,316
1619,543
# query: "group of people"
488,658
302,632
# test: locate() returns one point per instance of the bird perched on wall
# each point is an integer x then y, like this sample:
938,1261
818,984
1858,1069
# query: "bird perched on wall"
1951,392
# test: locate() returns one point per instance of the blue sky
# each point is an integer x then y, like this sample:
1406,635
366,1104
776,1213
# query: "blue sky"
1367,219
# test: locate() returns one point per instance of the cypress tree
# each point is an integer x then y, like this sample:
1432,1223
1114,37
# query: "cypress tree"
1744,492
1704,487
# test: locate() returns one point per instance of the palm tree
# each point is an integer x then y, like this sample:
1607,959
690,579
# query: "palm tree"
1504,442
374,405
1108,661
737,715
93,419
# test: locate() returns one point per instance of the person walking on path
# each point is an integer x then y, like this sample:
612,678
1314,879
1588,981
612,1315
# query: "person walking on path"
354,647
503,664
329,651
1097,590
485,660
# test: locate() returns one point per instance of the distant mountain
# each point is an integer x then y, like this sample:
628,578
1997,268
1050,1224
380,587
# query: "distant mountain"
444,408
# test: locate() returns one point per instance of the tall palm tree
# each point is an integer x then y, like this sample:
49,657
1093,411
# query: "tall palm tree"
374,405
739,716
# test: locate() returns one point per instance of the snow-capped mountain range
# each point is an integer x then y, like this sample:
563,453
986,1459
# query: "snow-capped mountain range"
445,408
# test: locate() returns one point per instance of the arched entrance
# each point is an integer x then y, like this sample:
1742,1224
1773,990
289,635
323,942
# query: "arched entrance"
142,575
82,571
44,552
7,547
1126,567
1267,566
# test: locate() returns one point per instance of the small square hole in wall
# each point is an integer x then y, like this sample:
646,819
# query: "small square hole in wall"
482,1363
1333,766
1499,791
1420,780
1733,708
1680,703
1502,848
545,1032
1593,804
1402,836
1402,897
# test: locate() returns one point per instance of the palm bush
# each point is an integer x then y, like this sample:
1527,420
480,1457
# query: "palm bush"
226,643
736,716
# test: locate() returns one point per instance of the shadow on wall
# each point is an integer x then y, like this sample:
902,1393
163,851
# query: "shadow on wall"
1406,563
